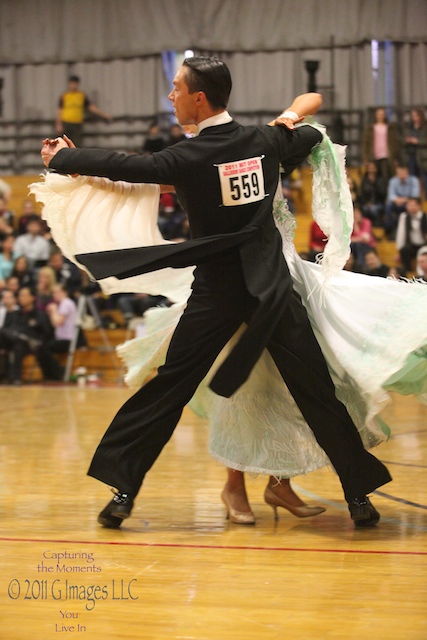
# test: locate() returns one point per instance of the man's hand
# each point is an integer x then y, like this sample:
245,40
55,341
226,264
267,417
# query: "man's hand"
51,147
283,121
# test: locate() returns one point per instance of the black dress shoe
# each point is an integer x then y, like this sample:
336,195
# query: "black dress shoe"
117,510
363,512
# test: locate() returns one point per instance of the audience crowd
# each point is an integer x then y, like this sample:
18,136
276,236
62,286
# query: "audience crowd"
40,288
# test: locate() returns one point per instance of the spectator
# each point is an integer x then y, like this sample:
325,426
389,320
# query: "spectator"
6,219
29,213
372,194
411,232
8,304
6,257
22,272
62,313
176,134
362,238
400,188
373,265
33,245
422,264
416,146
46,280
71,111
354,189
380,143
27,331
154,141
7,307
66,272
12,284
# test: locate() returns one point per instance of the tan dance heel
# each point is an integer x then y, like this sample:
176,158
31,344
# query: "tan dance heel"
301,512
238,517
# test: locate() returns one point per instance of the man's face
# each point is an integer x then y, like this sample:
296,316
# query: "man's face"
25,298
184,103
402,173
33,228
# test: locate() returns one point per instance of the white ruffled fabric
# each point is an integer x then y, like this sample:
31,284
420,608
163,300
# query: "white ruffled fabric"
371,330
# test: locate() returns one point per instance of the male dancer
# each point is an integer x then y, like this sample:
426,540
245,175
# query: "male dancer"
225,178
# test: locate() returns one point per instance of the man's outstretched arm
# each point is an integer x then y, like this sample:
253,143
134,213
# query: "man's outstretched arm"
307,104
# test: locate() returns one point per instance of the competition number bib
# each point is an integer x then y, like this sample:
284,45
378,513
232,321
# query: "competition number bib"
242,181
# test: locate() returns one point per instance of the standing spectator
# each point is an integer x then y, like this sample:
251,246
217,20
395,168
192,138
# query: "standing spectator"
414,131
380,143
372,194
66,272
362,238
6,257
71,111
33,245
411,232
400,188
154,141
6,218
416,146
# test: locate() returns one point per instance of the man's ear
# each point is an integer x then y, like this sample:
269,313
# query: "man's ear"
201,97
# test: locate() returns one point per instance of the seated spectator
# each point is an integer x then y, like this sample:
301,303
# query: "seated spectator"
354,189
422,263
154,141
176,134
362,238
411,232
373,265
12,284
28,331
44,287
6,257
372,194
7,306
317,241
6,219
66,272
29,213
401,187
33,245
22,271
62,314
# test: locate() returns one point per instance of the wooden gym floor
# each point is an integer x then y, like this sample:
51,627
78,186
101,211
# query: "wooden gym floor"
177,569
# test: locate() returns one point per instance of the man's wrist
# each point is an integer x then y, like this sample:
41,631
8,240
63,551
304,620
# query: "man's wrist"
289,114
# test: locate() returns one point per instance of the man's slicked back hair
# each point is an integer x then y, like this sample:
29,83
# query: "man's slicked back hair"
210,75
